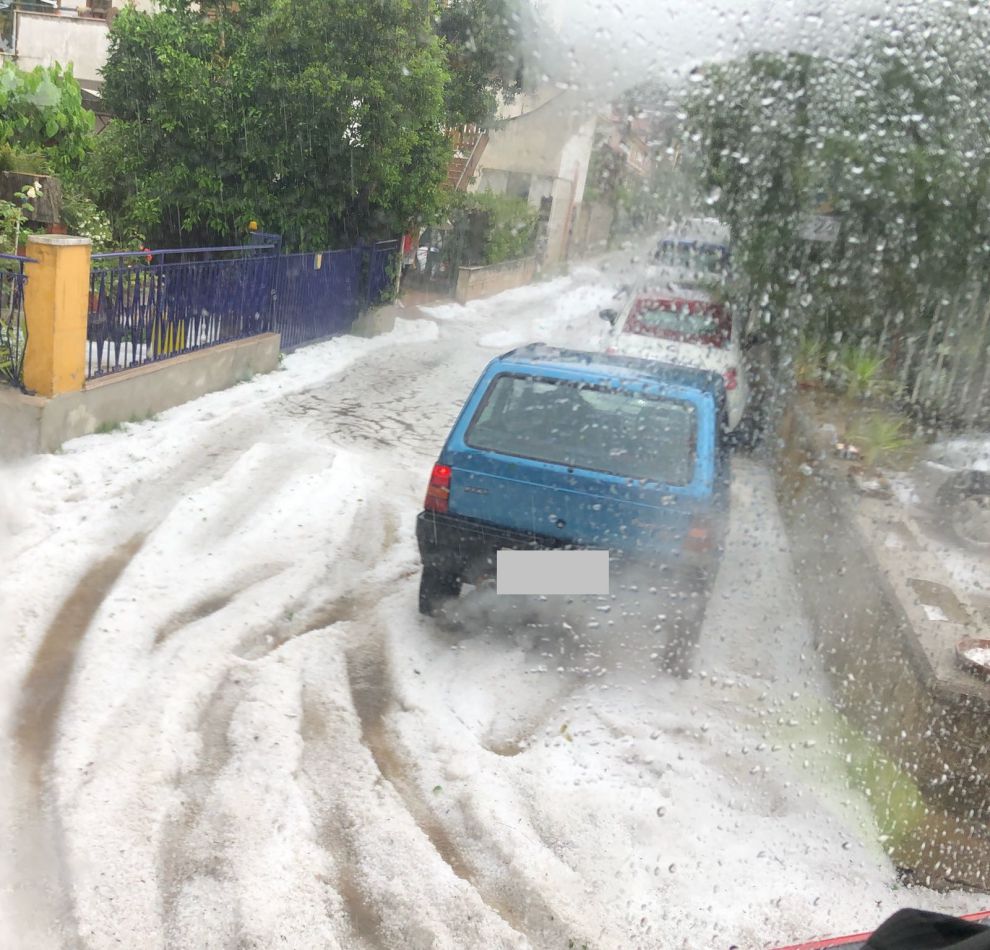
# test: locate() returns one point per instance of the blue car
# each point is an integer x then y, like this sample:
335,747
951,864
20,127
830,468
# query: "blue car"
565,449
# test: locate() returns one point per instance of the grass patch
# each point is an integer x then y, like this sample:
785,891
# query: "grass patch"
824,743
105,428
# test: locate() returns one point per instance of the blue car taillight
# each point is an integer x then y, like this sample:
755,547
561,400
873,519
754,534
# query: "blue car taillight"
438,491
700,538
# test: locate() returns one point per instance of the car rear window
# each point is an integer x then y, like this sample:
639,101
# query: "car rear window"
606,430
684,321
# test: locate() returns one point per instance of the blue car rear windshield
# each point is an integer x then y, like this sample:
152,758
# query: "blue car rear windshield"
623,433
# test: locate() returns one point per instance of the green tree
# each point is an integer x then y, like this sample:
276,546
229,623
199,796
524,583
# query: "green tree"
41,112
486,55
323,120
752,120
895,137
496,228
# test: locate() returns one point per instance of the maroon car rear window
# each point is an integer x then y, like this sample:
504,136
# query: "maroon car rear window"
684,321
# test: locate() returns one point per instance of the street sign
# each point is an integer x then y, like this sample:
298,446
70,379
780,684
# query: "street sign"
820,227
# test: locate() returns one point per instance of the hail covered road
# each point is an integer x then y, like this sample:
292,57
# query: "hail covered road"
224,723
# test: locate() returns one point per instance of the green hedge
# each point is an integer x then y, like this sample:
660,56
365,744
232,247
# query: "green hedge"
504,227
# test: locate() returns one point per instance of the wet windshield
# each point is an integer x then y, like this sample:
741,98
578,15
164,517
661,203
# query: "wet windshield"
492,473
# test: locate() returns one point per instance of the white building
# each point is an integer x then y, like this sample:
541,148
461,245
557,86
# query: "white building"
540,151
72,31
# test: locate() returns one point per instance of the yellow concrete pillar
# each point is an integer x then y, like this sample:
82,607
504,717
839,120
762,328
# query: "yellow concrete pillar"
56,305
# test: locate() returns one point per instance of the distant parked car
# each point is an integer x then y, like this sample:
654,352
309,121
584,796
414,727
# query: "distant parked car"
686,328
565,449
694,262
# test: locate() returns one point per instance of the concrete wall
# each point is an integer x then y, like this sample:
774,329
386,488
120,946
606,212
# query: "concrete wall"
31,424
44,38
575,156
559,226
20,423
552,139
547,137
475,282
593,227
892,667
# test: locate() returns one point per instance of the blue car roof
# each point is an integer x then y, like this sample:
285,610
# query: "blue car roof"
539,355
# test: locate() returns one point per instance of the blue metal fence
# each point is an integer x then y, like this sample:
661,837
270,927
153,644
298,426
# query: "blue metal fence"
316,295
143,308
13,327
147,305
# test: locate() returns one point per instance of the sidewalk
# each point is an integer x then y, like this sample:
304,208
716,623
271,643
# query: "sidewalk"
380,320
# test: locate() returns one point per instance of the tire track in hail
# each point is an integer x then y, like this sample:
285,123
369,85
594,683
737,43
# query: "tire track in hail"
190,848
364,919
36,718
373,699
192,842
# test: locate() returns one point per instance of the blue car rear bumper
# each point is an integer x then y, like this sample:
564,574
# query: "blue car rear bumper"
467,548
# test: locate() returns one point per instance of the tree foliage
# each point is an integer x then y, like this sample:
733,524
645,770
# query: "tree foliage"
323,120
893,139
485,50
41,113
503,228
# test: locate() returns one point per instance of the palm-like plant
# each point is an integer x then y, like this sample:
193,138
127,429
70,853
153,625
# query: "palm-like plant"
861,371
881,438
808,361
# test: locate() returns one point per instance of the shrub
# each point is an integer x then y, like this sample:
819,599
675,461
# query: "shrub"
808,360
881,438
84,219
505,226
861,372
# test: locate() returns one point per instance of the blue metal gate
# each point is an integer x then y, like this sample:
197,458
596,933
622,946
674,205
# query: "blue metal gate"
316,295
143,309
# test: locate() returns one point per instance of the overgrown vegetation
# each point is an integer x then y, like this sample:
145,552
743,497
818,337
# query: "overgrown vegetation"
882,438
45,131
324,120
861,372
15,215
42,120
83,218
893,142
505,227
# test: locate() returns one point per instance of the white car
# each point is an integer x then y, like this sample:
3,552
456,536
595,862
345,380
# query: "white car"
683,326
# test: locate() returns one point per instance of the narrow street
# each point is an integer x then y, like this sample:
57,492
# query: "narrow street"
244,734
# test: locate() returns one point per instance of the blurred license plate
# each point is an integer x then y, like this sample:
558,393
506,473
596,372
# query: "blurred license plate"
552,572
